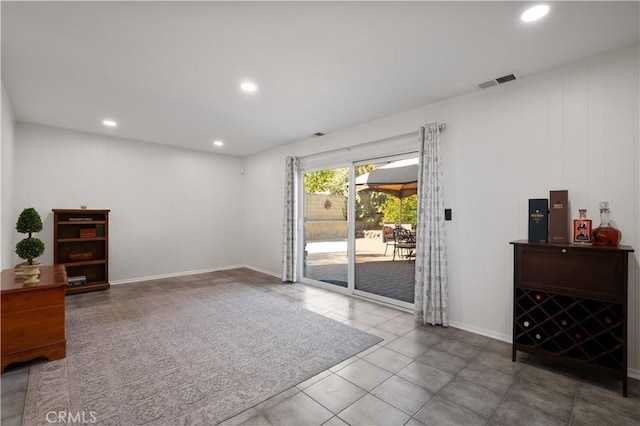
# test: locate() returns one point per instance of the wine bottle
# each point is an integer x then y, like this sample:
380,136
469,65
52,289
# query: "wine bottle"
608,320
538,297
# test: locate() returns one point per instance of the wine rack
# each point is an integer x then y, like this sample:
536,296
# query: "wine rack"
583,329
567,312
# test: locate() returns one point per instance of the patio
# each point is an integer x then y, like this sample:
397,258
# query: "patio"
375,272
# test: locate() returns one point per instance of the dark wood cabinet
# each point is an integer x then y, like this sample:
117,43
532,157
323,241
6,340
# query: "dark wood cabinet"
81,244
33,316
570,305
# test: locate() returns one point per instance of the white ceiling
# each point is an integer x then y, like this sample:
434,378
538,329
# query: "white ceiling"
169,72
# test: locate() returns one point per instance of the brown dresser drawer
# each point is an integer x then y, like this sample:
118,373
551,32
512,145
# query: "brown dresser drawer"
25,330
28,300
590,273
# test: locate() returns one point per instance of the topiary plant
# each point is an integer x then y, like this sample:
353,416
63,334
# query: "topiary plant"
29,248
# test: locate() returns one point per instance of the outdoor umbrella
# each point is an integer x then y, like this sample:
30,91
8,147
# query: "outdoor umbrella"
394,179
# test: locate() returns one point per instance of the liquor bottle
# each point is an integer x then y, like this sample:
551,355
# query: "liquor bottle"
582,228
605,234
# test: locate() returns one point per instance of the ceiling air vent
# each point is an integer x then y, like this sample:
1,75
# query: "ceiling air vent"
499,80
505,78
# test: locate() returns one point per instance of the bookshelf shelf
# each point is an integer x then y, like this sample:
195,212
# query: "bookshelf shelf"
82,222
84,263
78,240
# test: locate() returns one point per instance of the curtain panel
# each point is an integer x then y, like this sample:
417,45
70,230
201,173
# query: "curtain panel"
290,221
432,288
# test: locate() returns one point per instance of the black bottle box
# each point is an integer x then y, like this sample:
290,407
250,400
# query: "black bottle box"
538,220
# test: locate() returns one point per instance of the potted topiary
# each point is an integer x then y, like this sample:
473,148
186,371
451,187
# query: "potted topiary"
29,248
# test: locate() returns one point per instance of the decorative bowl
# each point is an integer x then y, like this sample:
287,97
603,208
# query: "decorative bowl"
81,257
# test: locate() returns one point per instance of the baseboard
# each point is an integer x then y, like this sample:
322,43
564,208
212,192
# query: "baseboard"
633,373
481,331
264,271
174,274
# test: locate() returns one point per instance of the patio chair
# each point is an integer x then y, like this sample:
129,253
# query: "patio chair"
405,243
388,237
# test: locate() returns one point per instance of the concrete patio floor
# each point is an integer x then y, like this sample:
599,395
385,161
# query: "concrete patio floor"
375,272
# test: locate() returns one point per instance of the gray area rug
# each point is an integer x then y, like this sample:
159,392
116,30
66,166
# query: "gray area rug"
189,357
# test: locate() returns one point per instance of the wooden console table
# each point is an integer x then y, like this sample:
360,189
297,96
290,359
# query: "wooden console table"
570,305
33,316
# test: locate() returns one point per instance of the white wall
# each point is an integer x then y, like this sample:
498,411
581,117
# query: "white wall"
7,218
172,210
573,128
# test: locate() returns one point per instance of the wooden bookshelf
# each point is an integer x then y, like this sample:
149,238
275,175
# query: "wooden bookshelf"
67,241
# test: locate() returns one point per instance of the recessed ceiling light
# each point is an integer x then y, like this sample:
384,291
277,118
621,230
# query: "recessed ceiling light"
534,13
248,86
218,143
109,123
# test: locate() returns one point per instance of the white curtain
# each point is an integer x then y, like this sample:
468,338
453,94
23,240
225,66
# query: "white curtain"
289,234
432,288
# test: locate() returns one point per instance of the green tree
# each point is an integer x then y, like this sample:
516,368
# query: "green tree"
331,180
391,210
369,207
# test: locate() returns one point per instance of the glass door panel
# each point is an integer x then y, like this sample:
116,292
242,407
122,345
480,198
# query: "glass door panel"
325,231
385,219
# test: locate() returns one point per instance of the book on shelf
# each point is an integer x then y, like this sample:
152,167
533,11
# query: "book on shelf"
77,280
80,218
88,233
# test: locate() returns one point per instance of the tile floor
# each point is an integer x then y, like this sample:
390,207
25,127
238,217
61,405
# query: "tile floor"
419,375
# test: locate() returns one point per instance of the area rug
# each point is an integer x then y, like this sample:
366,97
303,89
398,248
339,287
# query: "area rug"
187,357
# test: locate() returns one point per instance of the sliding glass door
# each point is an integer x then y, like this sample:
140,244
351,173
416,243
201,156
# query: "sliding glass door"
350,235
